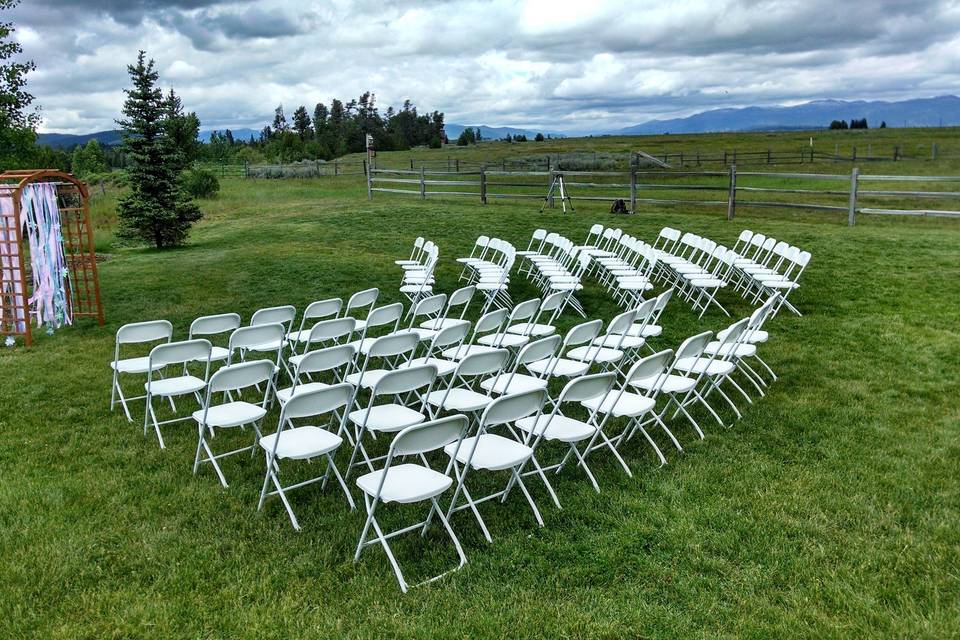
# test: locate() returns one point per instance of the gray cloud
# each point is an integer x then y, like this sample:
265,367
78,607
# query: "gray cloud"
543,63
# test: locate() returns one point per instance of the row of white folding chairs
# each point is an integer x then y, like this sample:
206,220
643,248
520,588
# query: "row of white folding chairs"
766,266
626,270
697,266
488,267
418,277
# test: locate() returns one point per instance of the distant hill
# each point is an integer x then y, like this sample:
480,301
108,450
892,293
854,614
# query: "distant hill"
920,112
70,140
495,133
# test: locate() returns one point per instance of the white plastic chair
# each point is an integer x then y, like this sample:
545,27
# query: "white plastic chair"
361,300
231,379
459,299
128,334
207,326
306,442
338,360
315,311
491,452
450,337
391,350
169,354
460,394
410,483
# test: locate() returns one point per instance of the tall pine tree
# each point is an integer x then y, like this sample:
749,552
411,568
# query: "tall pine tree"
156,209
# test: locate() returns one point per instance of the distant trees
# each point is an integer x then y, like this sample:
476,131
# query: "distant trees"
538,137
333,131
88,160
156,209
883,124
854,124
469,136
17,122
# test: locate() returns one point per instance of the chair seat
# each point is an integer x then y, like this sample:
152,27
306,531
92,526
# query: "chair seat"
370,377
387,417
649,331
231,414
283,395
619,342
778,283
625,404
517,383
565,286
673,383
175,386
444,367
634,284
559,367
298,336
359,325
503,340
700,365
273,345
422,333
530,329
405,483
706,283
134,365
740,350
559,428
461,352
493,452
301,443
459,399
216,354
595,354
753,337
414,288
440,323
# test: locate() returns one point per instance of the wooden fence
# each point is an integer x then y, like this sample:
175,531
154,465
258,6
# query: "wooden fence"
849,194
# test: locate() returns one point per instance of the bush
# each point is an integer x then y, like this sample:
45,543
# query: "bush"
200,183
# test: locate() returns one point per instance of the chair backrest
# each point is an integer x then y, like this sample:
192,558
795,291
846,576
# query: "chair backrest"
620,324
240,376
333,329
179,352
323,308
461,297
731,337
393,345
512,407
326,359
428,436
149,331
405,380
316,402
212,325
693,346
382,316
483,363
653,365
583,333
270,315
539,350
361,299
490,322
587,387
430,306
256,335
451,335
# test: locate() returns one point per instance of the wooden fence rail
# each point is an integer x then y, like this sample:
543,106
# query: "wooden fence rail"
781,190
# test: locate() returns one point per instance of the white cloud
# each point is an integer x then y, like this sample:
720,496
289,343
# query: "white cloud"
552,64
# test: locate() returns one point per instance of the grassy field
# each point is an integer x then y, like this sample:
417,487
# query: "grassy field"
832,509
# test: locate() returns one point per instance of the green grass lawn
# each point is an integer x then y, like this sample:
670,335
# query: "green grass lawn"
830,510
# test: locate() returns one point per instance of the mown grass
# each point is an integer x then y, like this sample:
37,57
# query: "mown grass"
830,510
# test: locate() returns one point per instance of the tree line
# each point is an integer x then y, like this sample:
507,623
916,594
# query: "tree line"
854,124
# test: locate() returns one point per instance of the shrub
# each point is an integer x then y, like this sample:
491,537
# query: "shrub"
201,183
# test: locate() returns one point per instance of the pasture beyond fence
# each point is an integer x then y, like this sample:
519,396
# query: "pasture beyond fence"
852,193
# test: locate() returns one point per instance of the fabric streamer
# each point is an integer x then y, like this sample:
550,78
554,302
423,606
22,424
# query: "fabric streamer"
40,214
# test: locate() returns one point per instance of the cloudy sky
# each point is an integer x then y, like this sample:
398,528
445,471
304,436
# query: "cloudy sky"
544,64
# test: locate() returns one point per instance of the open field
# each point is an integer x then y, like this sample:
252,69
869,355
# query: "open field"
831,510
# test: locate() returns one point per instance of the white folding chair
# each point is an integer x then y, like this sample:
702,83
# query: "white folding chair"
459,299
384,320
512,382
460,394
306,442
166,355
234,378
358,302
315,311
134,333
282,315
207,326
338,360
258,338
392,416
614,346
327,332
450,337
542,324
559,366
491,452
487,324
558,427
410,483
426,308
522,313
392,351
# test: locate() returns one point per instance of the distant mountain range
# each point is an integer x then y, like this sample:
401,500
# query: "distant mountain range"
495,133
112,137
920,112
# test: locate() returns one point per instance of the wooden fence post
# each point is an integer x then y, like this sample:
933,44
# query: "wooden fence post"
483,184
732,194
548,162
457,161
553,179
633,189
852,209
336,168
423,185
724,158
411,164
369,182
853,158
933,151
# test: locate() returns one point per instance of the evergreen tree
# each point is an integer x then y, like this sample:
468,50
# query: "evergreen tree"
538,137
17,123
883,124
279,120
88,159
301,122
155,209
180,134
